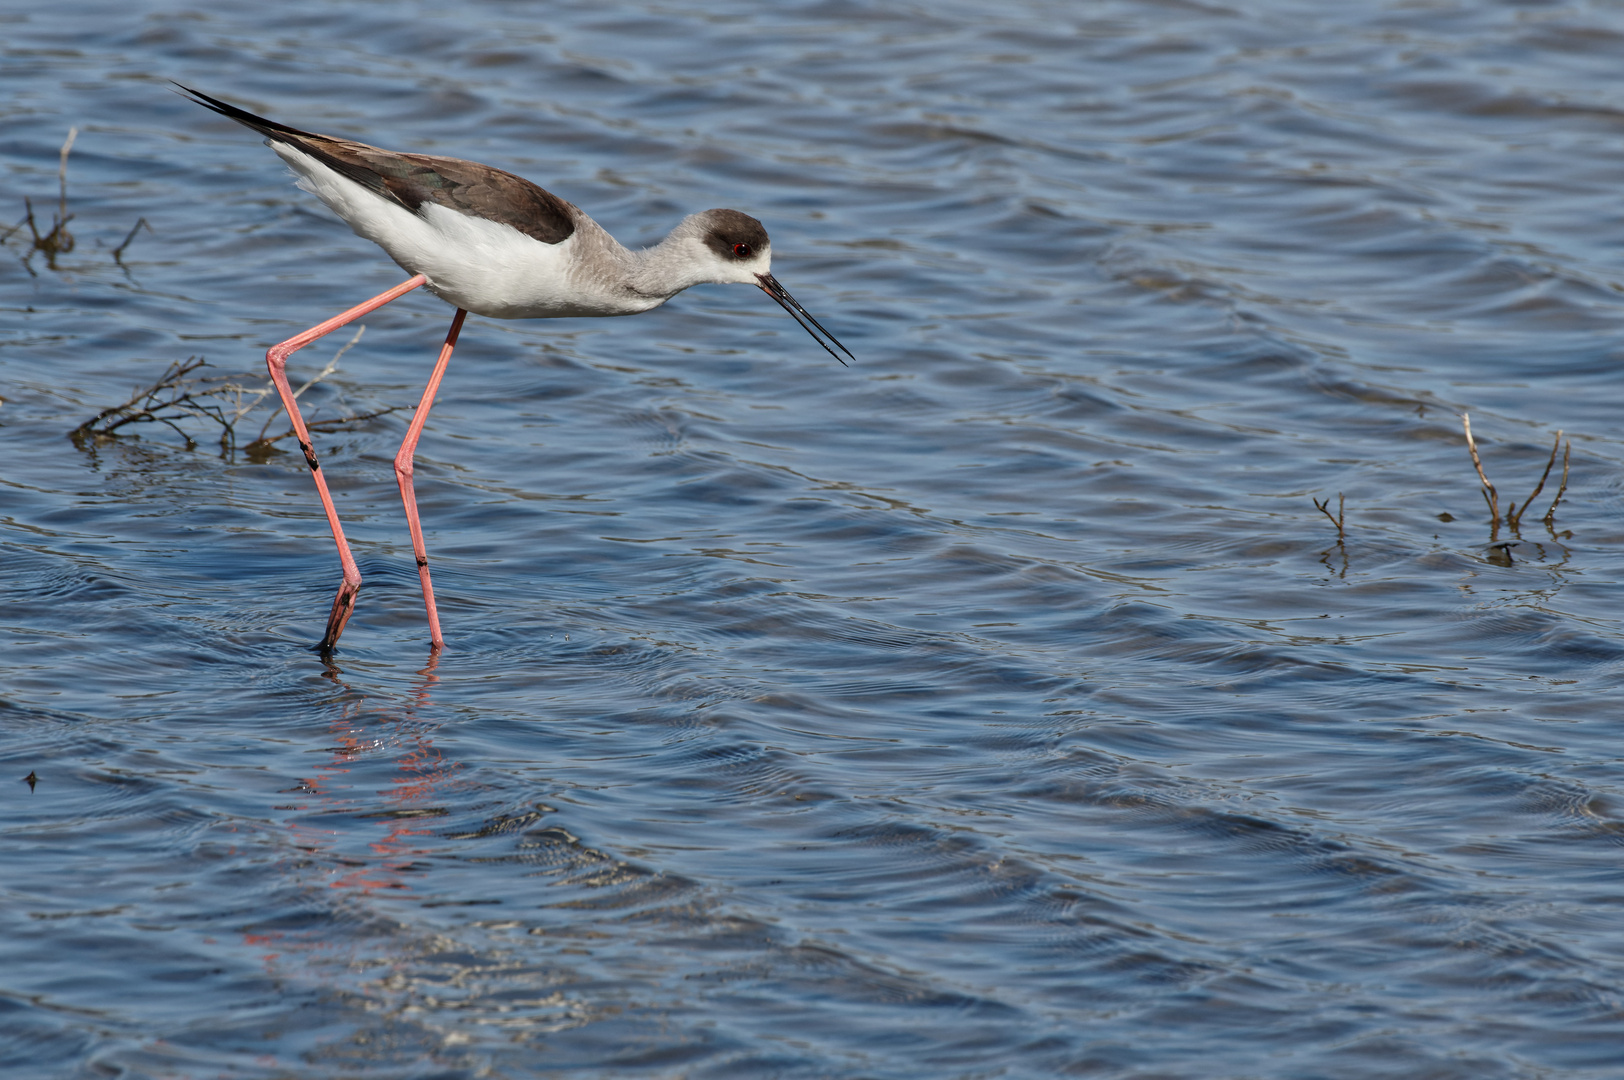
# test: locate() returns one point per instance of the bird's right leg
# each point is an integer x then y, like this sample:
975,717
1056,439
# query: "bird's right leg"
276,359
403,477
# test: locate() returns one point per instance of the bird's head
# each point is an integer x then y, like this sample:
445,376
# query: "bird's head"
736,247
736,251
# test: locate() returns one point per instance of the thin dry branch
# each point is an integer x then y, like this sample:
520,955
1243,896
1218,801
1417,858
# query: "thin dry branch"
59,241
62,174
1514,515
161,403
1325,508
332,366
223,400
1567,453
1490,496
118,252
332,424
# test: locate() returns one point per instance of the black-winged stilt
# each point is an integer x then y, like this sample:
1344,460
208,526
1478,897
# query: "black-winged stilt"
495,244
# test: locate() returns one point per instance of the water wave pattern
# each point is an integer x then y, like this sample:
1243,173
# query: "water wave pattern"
998,706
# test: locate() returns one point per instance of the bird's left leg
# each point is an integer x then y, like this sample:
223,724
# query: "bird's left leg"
276,361
403,475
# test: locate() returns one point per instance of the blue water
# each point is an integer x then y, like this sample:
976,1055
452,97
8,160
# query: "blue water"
1000,706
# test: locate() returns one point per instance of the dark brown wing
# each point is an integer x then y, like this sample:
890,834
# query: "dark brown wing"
414,179
474,189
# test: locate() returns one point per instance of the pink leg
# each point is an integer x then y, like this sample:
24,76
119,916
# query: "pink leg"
403,475
276,359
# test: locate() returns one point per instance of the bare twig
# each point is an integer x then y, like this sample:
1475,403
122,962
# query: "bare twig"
59,241
332,366
1325,508
1514,515
147,406
118,252
258,396
182,392
1490,496
62,175
1567,453
324,425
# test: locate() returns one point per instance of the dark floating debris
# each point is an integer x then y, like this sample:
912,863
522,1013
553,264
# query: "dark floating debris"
30,780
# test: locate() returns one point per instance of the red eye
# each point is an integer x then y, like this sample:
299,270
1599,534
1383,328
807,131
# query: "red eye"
742,251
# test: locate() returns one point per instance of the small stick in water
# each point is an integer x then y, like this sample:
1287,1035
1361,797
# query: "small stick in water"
62,179
1490,496
118,252
1567,452
1325,508
59,241
1514,515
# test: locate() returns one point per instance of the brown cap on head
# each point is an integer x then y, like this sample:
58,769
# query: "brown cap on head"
728,231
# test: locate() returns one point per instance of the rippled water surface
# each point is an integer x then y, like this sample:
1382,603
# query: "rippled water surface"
1000,705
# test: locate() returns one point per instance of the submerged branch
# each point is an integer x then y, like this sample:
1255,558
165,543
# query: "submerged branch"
181,392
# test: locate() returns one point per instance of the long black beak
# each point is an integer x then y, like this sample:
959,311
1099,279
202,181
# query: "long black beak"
770,286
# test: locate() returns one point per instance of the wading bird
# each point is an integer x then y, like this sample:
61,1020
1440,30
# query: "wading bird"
495,244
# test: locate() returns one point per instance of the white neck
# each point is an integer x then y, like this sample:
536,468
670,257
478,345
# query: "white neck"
678,262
